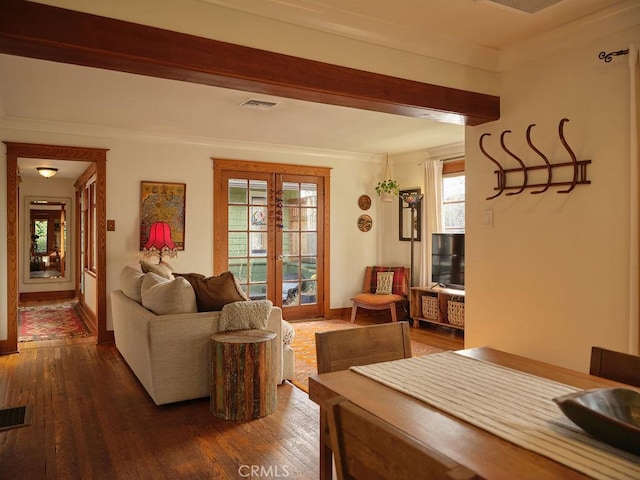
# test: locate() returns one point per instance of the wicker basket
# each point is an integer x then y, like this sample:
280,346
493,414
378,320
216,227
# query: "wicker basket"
455,313
430,307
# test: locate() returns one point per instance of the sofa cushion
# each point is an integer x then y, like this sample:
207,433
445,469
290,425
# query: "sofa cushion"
163,296
163,269
131,283
213,293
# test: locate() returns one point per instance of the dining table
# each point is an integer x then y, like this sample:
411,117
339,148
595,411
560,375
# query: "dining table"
486,409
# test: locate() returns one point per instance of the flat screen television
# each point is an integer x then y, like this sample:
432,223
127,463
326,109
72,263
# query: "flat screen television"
447,258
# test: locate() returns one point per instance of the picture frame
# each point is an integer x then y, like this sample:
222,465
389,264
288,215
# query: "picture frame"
163,202
404,218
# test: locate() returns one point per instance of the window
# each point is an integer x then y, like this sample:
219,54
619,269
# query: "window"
453,196
41,228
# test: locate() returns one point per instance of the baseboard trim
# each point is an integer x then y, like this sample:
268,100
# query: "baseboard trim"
45,296
339,314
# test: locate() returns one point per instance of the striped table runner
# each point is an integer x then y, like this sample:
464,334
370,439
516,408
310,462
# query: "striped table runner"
512,405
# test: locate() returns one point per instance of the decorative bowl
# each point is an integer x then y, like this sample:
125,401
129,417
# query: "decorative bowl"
612,415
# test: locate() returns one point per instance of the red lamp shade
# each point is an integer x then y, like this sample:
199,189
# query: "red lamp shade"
160,242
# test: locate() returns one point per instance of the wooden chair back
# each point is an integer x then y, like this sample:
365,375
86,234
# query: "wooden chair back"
368,448
617,366
341,349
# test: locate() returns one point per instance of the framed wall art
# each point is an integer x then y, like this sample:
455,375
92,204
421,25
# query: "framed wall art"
163,202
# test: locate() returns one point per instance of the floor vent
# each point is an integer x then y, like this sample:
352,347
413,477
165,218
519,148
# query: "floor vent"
15,417
524,6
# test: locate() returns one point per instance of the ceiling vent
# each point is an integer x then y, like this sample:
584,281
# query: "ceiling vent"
523,6
257,104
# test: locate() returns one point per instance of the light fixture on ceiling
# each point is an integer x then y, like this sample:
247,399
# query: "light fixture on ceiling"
47,172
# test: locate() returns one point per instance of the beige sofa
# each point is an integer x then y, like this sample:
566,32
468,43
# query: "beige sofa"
169,353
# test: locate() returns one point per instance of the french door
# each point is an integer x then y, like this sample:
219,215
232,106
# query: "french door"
270,232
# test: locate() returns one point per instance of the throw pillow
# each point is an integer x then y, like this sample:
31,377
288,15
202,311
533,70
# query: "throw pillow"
245,315
213,293
384,283
131,283
164,297
398,279
163,269
288,333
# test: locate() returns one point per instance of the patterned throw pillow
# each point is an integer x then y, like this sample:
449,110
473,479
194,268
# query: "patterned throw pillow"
288,333
398,278
384,284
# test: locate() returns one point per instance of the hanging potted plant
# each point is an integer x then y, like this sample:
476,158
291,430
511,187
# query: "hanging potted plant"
387,189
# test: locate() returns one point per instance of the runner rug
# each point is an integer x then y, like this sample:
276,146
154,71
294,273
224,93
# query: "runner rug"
304,347
50,322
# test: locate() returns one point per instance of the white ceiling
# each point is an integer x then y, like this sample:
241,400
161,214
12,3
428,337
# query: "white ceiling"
67,169
43,93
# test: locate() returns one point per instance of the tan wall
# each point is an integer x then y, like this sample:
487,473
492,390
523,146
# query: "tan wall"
549,279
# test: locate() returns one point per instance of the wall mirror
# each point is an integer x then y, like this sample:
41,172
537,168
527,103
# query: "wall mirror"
405,218
47,233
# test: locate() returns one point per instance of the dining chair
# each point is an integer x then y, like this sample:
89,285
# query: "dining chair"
368,448
617,366
340,349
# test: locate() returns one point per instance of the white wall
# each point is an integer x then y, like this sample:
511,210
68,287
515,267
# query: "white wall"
130,161
549,280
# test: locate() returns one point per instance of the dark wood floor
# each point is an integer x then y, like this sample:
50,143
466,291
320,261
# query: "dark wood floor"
92,419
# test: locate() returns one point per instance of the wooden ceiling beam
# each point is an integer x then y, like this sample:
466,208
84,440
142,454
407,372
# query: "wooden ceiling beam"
50,33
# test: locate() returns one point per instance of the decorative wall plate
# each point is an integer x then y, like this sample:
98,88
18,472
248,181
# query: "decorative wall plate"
364,202
365,223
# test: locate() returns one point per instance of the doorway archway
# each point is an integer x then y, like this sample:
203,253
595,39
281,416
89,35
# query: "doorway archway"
53,152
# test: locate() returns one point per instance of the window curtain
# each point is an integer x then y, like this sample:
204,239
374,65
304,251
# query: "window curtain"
634,240
431,214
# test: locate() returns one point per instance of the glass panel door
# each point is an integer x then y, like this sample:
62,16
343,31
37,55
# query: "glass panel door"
248,235
273,240
298,244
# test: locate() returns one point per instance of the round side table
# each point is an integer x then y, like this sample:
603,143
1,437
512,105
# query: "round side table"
243,374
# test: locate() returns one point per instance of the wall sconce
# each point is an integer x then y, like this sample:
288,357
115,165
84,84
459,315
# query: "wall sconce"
47,172
160,242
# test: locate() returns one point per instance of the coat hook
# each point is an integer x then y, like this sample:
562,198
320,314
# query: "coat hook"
574,160
522,166
546,161
501,174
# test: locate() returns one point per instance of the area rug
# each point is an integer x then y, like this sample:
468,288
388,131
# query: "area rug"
304,346
51,322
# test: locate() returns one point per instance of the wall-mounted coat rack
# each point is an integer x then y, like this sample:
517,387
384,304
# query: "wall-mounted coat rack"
579,167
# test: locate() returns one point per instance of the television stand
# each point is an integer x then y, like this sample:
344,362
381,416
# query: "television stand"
437,305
